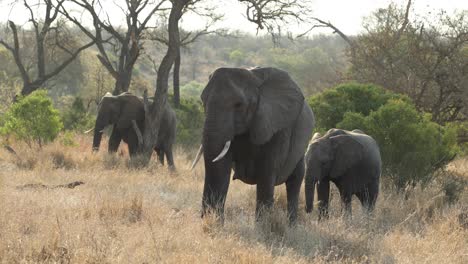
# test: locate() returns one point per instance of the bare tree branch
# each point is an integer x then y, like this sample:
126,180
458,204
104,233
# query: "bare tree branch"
126,43
15,50
44,28
272,14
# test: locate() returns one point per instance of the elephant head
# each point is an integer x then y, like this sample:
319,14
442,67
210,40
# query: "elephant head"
328,158
253,103
122,111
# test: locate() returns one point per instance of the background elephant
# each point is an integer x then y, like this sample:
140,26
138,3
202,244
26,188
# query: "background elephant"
122,111
351,160
257,123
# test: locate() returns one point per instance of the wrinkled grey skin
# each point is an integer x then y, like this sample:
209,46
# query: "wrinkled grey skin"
351,160
119,111
263,112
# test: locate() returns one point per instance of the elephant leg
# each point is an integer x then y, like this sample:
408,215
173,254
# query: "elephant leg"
160,153
369,196
170,158
265,190
346,203
293,188
132,142
114,140
323,193
363,197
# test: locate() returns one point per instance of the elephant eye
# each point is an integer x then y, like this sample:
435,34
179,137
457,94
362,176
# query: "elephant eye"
238,105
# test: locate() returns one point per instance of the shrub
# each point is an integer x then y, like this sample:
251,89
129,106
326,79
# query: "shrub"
68,139
76,116
330,106
192,89
412,146
61,160
33,119
190,120
453,187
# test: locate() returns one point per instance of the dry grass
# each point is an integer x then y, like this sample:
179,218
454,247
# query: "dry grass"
122,215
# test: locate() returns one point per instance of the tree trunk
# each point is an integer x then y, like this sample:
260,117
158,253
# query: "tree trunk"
153,112
122,83
29,88
176,80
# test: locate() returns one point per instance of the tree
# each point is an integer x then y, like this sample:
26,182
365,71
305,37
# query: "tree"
425,58
272,15
50,36
124,43
188,37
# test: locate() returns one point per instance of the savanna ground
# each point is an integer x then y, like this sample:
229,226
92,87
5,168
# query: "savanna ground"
122,215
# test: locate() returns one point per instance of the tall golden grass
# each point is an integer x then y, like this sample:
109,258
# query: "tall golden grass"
151,215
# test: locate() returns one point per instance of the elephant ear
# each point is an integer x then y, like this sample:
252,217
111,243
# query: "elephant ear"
279,104
348,152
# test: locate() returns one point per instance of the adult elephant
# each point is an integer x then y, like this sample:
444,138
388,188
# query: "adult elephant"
349,159
127,115
257,123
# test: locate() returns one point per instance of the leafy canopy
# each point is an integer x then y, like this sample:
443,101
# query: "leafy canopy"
331,105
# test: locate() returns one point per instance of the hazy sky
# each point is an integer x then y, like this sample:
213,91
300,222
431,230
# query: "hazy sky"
345,14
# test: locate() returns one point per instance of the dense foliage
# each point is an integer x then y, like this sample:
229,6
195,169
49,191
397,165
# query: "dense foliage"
190,118
412,146
330,106
76,117
33,119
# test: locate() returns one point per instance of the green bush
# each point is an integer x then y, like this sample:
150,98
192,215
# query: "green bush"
33,119
412,146
462,131
192,89
68,139
76,116
190,118
331,105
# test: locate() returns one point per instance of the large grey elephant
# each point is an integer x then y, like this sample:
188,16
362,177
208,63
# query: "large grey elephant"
127,115
349,159
257,123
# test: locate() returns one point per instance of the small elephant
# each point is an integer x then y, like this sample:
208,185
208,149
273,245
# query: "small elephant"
351,160
257,123
127,115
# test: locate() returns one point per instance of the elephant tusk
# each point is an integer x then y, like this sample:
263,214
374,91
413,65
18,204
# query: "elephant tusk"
87,131
197,158
138,132
223,152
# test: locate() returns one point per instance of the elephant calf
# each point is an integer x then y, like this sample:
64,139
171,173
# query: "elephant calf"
126,113
351,160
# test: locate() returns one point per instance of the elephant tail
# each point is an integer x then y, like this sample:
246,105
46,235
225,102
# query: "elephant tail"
310,183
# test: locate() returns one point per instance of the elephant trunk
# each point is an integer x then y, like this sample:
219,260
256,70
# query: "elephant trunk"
310,182
98,127
217,167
